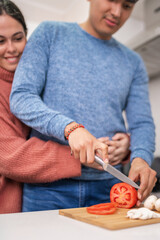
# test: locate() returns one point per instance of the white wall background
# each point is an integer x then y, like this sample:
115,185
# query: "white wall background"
36,11
154,89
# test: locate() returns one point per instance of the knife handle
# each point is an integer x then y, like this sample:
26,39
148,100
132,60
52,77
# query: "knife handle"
99,160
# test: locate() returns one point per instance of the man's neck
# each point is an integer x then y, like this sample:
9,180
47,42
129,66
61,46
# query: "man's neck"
87,27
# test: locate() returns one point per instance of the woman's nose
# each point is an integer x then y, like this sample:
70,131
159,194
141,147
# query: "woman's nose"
11,47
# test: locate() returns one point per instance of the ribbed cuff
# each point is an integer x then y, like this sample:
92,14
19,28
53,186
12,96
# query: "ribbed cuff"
148,157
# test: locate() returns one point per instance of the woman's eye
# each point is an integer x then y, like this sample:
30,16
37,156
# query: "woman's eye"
1,41
18,39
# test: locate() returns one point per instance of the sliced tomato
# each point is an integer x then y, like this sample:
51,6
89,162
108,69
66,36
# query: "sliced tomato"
102,208
124,195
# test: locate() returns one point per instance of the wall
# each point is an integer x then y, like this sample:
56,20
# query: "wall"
154,89
37,11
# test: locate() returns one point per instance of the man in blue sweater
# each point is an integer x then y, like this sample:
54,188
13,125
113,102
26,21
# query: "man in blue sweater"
74,74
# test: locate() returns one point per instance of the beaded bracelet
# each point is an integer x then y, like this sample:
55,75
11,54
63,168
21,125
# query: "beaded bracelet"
72,129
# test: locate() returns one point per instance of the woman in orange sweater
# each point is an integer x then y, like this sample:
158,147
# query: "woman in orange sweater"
32,160
22,161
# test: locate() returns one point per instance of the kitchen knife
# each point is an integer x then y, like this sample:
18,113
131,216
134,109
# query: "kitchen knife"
116,173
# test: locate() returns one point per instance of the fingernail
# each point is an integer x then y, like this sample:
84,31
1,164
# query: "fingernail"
139,196
106,160
138,203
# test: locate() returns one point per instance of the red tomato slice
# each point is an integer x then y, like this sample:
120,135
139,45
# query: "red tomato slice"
102,208
124,195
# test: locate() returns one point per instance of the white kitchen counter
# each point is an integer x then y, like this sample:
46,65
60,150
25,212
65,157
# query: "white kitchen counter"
49,225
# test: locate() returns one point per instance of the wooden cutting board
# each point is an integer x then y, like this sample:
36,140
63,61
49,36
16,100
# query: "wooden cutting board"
114,221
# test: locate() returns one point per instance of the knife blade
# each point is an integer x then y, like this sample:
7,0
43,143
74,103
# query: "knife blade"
116,173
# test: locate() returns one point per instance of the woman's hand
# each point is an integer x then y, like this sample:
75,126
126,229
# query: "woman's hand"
84,146
118,147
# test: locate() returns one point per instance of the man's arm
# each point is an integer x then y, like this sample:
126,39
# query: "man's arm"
142,132
29,82
139,116
26,102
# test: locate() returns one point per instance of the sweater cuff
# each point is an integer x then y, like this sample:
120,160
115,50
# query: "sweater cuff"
59,127
146,156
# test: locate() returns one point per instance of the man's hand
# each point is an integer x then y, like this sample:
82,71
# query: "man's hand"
140,171
84,145
118,147
94,165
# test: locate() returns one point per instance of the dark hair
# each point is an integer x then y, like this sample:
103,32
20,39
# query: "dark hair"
132,1
9,8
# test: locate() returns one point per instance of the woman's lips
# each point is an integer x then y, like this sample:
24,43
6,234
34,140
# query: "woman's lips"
14,59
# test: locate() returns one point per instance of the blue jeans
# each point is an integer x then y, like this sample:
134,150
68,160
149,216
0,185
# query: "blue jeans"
66,193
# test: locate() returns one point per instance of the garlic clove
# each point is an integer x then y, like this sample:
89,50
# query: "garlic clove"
142,213
150,202
147,214
157,205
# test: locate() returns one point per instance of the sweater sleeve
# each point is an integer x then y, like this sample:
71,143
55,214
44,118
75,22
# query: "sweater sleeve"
32,160
29,82
139,116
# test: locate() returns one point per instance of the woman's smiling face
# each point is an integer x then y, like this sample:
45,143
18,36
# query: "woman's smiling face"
12,42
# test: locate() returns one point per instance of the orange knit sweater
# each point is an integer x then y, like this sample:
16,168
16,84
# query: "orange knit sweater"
22,160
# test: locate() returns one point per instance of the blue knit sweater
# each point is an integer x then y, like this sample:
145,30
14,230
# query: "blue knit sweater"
66,75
